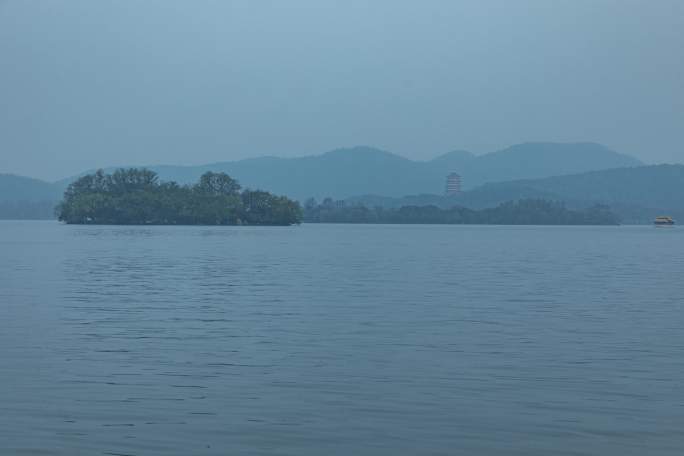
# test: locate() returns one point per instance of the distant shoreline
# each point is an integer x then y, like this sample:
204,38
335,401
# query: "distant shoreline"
521,212
53,220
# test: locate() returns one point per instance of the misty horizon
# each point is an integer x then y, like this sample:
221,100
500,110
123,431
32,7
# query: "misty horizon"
193,83
313,155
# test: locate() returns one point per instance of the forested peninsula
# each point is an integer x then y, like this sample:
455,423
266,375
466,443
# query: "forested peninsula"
137,197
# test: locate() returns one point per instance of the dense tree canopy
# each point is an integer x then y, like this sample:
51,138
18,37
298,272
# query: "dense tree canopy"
522,212
137,197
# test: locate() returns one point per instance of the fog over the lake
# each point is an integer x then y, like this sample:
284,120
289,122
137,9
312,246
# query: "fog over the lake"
85,84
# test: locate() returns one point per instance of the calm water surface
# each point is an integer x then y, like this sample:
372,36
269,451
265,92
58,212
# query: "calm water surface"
332,339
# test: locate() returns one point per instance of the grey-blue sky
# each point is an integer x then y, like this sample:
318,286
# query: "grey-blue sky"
95,83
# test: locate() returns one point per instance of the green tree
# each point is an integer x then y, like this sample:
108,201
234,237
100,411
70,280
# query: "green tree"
214,184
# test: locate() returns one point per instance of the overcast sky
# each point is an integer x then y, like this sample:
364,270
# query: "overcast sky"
87,83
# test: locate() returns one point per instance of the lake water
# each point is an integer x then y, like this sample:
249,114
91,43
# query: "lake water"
334,339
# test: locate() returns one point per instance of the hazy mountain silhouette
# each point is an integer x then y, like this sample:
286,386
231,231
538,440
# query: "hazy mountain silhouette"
637,194
27,198
657,185
344,173
20,188
535,160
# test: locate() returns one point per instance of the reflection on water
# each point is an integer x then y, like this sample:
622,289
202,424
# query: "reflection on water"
341,340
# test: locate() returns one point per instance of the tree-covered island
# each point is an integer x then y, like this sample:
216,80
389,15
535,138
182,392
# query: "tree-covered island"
137,197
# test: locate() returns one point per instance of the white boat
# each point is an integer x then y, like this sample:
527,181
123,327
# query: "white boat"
663,220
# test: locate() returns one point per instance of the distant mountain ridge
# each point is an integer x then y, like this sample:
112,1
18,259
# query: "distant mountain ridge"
27,198
343,173
20,188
